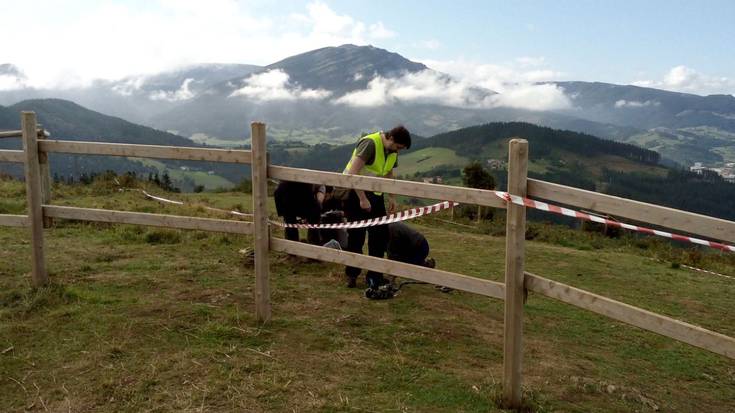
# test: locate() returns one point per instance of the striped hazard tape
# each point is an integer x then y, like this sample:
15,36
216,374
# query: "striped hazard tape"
707,271
518,200
387,219
395,217
543,206
169,201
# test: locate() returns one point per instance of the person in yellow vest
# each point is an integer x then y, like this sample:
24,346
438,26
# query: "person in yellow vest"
375,154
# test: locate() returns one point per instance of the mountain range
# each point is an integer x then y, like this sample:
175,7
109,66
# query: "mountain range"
335,93
559,156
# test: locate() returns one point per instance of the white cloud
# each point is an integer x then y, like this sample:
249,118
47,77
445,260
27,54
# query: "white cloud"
517,87
11,82
275,85
129,86
432,87
533,97
73,43
426,86
496,77
183,93
684,79
379,31
622,103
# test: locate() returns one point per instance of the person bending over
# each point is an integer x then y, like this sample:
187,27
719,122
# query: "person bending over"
375,154
296,200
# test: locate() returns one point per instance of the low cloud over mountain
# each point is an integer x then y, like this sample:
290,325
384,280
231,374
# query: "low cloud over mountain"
685,79
275,85
343,91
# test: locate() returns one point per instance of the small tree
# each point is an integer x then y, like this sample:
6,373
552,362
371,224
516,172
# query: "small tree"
166,181
475,176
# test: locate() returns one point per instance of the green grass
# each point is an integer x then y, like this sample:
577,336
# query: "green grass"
310,136
427,159
710,143
199,177
149,319
218,142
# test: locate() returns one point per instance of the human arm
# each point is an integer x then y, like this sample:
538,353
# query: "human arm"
391,197
319,194
355,166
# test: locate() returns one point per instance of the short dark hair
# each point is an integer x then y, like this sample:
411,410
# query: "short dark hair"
400,135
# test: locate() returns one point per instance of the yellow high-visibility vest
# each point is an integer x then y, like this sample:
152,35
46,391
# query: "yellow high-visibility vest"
381,165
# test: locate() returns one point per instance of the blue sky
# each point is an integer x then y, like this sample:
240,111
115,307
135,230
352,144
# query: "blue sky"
676,45
615,41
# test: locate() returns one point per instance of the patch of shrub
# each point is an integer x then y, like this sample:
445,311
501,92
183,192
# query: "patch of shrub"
130,233
162,237
38,298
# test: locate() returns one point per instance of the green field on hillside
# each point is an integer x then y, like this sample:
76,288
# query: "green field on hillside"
148,319
209,181
427,159
710,145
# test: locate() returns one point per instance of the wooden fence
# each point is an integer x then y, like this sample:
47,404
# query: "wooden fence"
517,280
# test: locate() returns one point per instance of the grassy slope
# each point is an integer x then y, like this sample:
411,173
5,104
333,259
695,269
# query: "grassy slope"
147,319
199,177
428,158
705,144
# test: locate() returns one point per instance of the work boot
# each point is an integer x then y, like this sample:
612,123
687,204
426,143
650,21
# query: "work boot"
375,281
384,292
334,244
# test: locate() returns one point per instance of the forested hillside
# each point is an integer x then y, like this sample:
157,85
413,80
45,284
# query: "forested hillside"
564,157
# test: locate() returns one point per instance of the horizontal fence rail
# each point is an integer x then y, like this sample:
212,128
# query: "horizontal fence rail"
40,209
146,151
14,220
640,211
448,279
12,156
647,320
17,133
393,186
11,134
141,218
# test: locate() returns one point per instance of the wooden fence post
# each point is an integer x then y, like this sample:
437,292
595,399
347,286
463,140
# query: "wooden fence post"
45,174
33,196
259,169
515,251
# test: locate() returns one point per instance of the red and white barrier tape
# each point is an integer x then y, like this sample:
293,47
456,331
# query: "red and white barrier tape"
395,217
420,211
168,201
387,219
707,271
580,215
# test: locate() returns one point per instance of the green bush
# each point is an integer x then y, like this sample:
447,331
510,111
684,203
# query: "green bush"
162,237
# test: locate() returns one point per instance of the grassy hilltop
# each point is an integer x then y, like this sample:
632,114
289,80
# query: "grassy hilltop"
146,319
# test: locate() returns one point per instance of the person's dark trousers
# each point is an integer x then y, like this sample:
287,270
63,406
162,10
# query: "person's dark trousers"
416,256
377,235
292,234
419,254
294,199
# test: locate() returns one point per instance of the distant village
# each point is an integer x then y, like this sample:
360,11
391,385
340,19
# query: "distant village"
727,172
